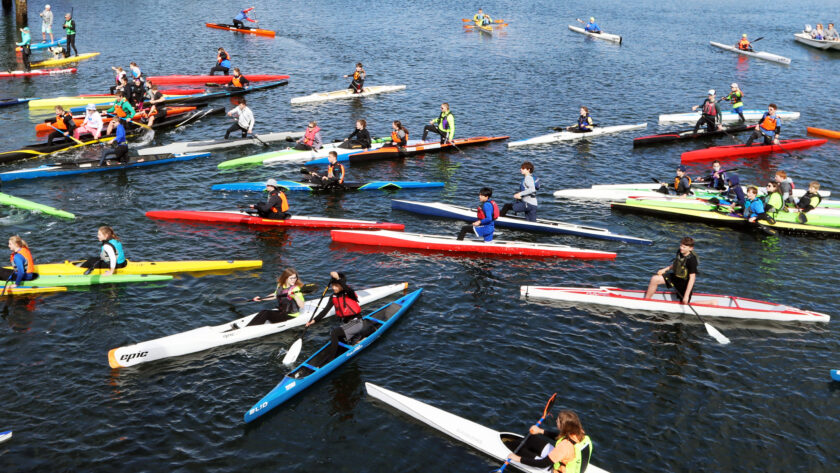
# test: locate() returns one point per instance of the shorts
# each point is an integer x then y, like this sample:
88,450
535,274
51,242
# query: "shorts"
46,28
678,284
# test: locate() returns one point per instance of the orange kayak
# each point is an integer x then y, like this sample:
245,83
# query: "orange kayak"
47,126
824,132
255,31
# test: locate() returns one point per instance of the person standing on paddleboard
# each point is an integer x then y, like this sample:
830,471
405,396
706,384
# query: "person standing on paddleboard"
222,62
244,119
242,16
358,83
526,199
46,24
679,275
23,264
736,98
289,300
275,207
111,253
709,114
769,127
487,214
311,138
70,31
359,139
349,314
25,49
567,449
443,125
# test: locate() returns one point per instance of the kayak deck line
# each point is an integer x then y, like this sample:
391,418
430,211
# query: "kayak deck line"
84,167
346,186
151,267
346,94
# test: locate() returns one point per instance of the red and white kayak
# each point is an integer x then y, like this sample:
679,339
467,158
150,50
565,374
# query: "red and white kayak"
41,72
736,151
417,241
707,305
188,79
297,221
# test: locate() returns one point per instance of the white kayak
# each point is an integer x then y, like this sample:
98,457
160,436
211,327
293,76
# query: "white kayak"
571,135
294,155
727,116
346,94
208,145
495,444
204,338
6,435
605,36
757,54
707,305
805,38
619,192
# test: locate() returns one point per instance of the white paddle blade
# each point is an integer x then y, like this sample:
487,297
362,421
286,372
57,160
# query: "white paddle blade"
721,338
294,352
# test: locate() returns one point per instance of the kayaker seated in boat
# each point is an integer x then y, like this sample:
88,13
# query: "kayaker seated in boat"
311,138
736,98
567,449
754,207
818,32
682,183
717,180
334,178
359,139
680,275
64,123
243,119
592,27
137,94
349,313
769,127
92,123
119,150
482,18
358,83
156,104
399,137
222,63
526,199
238,81
289,300
23,265
744,44
120,109
811,199
734,193
773,201
709,114
487,214
275,207
831,34
785,186
584,123
111,253
443,125
242,16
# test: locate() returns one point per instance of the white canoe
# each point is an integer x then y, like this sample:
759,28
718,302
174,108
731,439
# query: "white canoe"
707,305
757,54
728,116
619,192
4,436
605,36
346,94
208,145
296,155
805,38
570,135
497,445
207,337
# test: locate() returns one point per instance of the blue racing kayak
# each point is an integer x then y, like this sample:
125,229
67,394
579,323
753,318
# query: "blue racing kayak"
45,45
835,375
302,186
10,102
316,367
72,168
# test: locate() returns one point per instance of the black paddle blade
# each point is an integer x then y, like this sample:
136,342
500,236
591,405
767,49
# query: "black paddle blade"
309,288
88,271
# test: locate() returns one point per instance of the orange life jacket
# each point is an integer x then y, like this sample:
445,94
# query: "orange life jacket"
236,81
357,75
677,180
118,110
769,123
309,136
29,267
744,44
59,122
284,203
395,137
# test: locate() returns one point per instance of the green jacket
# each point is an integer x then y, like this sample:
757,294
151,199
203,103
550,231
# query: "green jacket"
69,27
446,122
125,106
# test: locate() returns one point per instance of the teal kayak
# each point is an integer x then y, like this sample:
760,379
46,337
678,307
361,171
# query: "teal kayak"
347,186
91,279
10,200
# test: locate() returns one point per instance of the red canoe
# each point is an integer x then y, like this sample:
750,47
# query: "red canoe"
187,79
42,72
389,152
256,31
736,151
294,221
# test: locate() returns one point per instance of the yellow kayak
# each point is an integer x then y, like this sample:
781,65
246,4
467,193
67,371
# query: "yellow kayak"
23,290
66,60
75,101
152,267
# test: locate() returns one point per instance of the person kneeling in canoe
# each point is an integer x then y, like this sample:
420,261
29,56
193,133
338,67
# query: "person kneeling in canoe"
111,253
488,212
64,124
358,83
769,127
237,81
334,178
242,16
443,125
289,300
23,265
311,138
120,149
567,450
244,119
399,137
276,206
584,123
526,198
92,123
349,314
359,139
744,44
679,275
709,114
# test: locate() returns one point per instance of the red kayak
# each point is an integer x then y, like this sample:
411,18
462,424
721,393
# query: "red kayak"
389,152
294,221
736,151
42,72
186,79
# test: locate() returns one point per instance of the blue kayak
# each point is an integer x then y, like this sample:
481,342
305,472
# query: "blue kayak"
9,102
316,367
302,186
37,46
835,375
72,168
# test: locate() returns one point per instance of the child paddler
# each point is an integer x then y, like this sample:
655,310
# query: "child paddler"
276,205
289,300
237,80
716,180
119,151
64,122
399,137
334,178
680,275
23,264
487,214
111,253
526,199
357,85
754,207
359,139
122,109
567,449
348,312
584,123
682,183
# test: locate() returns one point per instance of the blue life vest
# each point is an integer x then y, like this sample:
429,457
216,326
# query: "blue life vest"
118,248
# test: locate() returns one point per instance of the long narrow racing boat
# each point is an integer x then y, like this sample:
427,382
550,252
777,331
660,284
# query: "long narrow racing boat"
824,44
450,245
614,38
93,279
295,221
48,124
38,72
84,167
683,135
211,145
707,305
16,101
152,267
495,444
346,186
756,54
727,116
321,363
346,94
439,209
736,151
244,29
32,290
820,216
66,60
12,201
619,192
294,155
182,79
391,152
207,337
571,135
44,45
823,132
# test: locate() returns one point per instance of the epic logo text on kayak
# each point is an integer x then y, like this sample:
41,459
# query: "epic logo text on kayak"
130,356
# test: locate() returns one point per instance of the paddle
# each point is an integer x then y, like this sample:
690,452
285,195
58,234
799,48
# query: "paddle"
67,135
524,439
92,266
308,288
713,332
7,284
294,350
258,139
469,20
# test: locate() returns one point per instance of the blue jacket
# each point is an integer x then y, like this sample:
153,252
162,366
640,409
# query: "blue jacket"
488,213
120,139
753,208
20,270
25,39
592,27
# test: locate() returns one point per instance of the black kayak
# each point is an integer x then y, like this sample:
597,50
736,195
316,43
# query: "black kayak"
688,135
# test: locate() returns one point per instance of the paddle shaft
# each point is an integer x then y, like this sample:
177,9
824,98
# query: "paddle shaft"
7,284
525,439
715,333
66,134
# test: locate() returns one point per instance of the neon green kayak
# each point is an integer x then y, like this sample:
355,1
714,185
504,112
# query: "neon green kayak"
291,154
91,279
10,200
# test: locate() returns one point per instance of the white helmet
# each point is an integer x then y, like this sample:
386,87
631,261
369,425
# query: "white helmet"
711,91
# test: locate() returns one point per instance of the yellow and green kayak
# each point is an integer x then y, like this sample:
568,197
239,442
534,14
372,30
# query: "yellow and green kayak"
25,290
12,201
153,267
66,60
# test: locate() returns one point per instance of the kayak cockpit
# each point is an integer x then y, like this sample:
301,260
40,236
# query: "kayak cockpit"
511,441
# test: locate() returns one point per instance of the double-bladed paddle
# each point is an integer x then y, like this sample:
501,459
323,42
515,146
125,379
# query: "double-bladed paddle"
294,350
66,134
524,439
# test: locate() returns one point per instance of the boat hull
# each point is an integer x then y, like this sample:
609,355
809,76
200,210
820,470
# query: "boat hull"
292,222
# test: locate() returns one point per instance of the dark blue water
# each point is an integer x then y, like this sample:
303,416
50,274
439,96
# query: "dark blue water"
654,392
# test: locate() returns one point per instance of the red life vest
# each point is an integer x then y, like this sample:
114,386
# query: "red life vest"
29,267
346,306
709,108
309,136
481,215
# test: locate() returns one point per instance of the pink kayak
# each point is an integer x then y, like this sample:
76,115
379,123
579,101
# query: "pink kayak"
187,79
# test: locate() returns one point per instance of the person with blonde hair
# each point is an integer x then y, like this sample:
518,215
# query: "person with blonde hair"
289,300
566,450
23,265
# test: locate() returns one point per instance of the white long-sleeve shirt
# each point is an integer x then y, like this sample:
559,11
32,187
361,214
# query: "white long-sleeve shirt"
245,117
93,121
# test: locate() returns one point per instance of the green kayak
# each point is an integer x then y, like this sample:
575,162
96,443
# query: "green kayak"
291,154
12,201
91,279
815,217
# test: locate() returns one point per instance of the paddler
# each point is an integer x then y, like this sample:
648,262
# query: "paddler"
120,109
242,16
92,123
23,265
137,94
773,201
785,186
526,199
348,312
359,75
238,81
744,44
111,252
70,31
156,104
276,205
769,127
334,178
736,98
222,62
289,300
443,125
811,199
311,138
244,119
119,151
479,17
25,49
753,206
487,214
735,193
566,450
709,114
65,123
399,137
679,275
592,27
46,24
359,139
682,183
584,123
717,180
